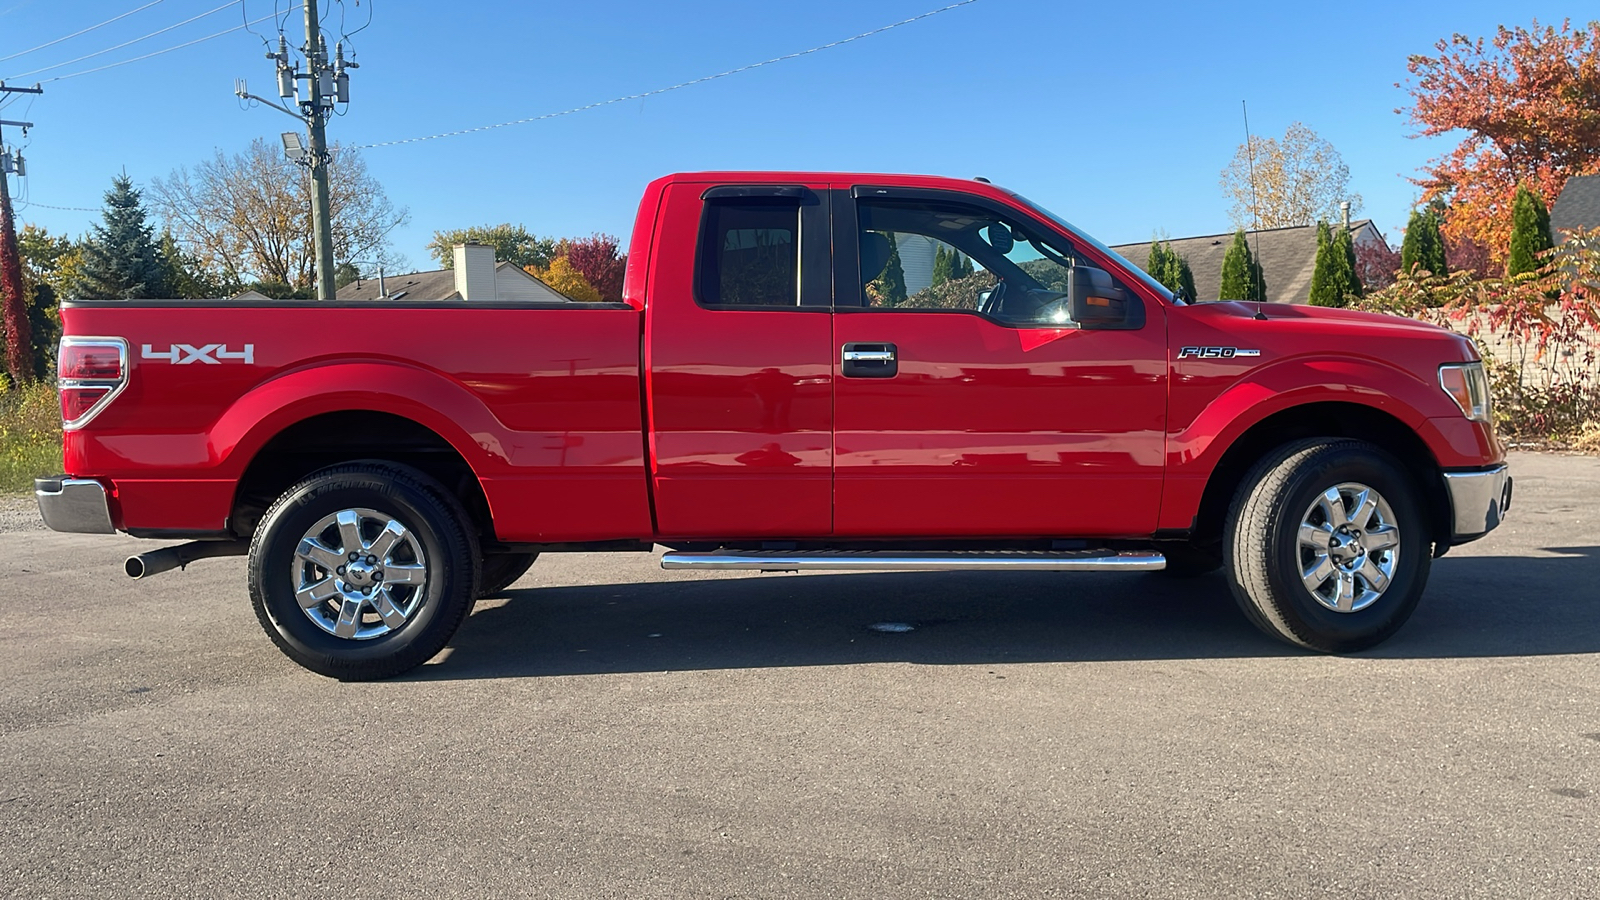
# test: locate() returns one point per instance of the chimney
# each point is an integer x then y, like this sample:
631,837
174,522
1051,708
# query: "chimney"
1344,207
475,271
382,294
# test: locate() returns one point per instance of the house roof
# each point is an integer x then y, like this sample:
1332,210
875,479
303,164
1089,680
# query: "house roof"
1287,256
439,284
1577,207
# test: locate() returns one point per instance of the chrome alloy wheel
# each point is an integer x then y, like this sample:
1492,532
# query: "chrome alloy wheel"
1348,548
359,574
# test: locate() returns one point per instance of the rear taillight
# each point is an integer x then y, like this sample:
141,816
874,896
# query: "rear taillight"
92,372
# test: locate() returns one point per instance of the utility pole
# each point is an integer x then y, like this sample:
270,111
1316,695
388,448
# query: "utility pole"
326,84
316,52
18,336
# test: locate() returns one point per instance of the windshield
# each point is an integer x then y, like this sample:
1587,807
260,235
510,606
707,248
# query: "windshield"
1078,235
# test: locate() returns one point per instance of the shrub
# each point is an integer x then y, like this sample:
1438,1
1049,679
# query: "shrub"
30,435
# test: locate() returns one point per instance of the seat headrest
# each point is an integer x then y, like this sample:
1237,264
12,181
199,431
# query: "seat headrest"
875,250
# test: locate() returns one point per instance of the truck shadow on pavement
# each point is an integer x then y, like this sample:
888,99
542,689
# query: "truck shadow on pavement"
1474,607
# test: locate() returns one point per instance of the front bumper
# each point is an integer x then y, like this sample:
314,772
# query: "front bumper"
74,505
1478,501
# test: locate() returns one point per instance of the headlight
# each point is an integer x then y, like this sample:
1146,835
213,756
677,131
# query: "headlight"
1467,384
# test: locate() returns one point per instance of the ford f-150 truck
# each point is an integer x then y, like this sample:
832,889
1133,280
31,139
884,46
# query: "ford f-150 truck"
808,371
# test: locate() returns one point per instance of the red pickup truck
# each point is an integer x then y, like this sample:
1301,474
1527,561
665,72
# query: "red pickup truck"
808,371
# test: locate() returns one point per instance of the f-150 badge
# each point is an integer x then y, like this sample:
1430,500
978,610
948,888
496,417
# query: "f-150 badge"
209,354
1215,352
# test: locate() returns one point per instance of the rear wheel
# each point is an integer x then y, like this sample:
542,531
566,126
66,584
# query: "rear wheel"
1327,546
501,570
363,571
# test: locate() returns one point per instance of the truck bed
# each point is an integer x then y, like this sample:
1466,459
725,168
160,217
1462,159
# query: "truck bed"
542,401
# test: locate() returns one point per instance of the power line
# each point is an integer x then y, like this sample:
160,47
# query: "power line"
84,31
28,203
126,43
158,52
679,86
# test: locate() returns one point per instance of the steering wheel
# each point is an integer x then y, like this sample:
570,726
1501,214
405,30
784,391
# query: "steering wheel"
996,294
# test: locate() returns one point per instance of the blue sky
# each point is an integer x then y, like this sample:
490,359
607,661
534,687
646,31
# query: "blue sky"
1118,116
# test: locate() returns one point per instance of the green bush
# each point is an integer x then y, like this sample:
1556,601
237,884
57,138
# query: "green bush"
30,435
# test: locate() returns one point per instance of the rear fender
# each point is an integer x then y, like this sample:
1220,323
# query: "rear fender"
388,387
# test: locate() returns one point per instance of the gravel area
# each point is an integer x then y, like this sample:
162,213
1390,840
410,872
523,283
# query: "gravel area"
19,512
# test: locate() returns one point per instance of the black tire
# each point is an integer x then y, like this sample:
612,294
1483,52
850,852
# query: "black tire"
1263,550
501,570
1186,560
434,520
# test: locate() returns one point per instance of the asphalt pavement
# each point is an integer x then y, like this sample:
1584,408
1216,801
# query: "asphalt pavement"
607,729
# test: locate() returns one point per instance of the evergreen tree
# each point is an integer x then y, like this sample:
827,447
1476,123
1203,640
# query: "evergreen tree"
1242,278
1423,247
889,287
1334,280
1353,276
960,265
1530,233
120,258
185,278
1171,268
941,267
1322,291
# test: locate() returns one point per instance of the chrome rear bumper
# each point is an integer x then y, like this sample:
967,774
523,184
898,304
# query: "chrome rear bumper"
74,505
1478,500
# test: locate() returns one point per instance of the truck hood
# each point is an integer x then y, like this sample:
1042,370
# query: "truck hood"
1336,320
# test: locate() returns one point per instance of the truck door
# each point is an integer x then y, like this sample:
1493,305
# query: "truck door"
738,355
967,400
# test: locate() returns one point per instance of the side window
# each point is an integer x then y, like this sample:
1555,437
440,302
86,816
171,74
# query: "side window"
933,256
749,254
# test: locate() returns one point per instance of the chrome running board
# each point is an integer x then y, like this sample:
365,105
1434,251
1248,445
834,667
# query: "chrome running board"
917,561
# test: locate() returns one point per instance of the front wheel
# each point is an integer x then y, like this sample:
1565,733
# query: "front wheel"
363,571
1327,545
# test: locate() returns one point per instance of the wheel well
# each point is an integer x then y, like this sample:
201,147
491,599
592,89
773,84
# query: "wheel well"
1346,420
341,437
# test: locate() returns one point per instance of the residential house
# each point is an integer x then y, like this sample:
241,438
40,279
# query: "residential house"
1288,257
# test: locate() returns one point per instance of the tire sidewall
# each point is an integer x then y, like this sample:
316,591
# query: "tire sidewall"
1341,631
273,589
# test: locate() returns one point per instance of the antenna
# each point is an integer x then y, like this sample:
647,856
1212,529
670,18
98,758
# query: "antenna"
1255,204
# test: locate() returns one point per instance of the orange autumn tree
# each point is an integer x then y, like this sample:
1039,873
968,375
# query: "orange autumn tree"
564,278
1527,102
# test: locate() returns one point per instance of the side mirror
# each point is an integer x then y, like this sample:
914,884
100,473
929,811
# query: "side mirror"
1000,238
1096,301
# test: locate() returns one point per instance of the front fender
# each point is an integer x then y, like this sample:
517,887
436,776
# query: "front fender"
1200,431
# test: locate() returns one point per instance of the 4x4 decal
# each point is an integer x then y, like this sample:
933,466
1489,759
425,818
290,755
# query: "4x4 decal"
210,354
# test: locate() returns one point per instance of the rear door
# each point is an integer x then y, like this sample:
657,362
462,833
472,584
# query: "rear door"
738,354
965,404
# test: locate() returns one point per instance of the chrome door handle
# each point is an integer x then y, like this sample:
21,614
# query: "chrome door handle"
869,360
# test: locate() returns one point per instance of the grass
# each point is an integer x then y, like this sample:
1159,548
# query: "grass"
30,435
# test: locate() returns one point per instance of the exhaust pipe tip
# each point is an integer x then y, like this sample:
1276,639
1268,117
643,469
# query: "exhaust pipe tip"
166,559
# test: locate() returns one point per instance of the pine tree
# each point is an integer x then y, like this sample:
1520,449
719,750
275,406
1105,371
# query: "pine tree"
890,286
960,265
1423,247
185,278
1530,233
941,267
1171,268
120,258
1242,278
1334,280
1348,242
1322,277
